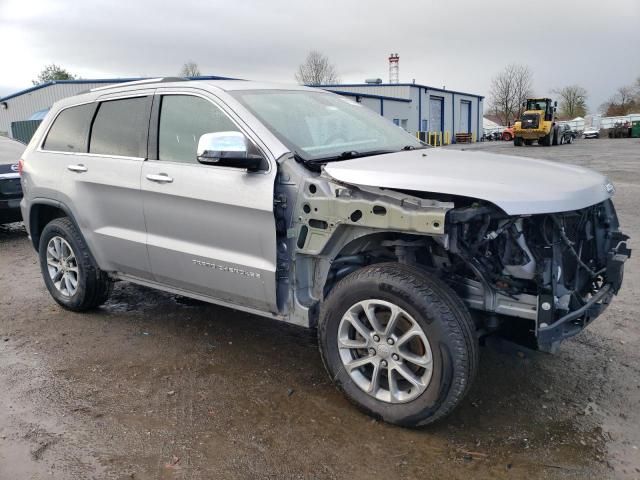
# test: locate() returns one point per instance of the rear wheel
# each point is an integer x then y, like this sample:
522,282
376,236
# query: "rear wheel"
398,343
69,272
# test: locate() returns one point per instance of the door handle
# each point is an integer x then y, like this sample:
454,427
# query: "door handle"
160,178
77,168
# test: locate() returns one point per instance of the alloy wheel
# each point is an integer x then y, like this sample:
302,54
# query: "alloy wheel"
62,266
385,351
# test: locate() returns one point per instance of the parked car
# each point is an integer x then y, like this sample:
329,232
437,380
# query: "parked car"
507,134
591,132
10,188
566,135
306,207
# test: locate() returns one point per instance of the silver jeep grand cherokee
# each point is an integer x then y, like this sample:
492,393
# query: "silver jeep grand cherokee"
306,207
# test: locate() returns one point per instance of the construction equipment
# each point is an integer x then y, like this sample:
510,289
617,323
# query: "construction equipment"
620,130
538,123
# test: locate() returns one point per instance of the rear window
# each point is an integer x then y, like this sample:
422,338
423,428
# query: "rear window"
70,130
121,127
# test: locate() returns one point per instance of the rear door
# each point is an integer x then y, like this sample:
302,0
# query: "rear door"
100,180
210,229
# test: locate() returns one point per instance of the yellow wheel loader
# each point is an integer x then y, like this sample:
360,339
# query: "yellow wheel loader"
537,124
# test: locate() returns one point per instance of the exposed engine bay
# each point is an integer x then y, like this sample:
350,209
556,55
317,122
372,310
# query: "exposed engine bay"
559,270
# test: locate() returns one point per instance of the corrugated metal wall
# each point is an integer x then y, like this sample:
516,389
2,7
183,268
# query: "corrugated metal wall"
397,91
23,106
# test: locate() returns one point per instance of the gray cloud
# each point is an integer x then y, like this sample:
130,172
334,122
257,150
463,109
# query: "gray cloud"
459,44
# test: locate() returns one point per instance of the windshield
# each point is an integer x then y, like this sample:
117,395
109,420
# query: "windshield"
321,126
536,105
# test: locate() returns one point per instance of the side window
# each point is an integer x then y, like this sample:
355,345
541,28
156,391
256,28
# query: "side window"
120,128
183,119
70,130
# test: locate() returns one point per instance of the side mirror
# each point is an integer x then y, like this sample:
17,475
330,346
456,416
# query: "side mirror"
227,149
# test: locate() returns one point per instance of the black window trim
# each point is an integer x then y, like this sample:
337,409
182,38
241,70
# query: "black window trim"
97,102
50,126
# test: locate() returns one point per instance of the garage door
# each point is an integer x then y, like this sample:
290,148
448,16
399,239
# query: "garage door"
435,114
464,122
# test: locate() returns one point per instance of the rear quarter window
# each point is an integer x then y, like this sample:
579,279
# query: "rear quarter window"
70,129
121,127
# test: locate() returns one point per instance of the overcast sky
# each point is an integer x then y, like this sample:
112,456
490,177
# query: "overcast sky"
457,44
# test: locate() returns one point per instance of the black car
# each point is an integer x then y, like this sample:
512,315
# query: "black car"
566,135
10,188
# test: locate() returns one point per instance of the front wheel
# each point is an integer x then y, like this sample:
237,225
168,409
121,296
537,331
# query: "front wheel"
68,269
400,344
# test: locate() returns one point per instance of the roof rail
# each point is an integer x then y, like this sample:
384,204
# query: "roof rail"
141,82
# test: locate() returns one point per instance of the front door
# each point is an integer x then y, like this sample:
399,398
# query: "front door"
210,229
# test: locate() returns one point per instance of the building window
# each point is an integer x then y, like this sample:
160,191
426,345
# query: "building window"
425,125
404,123
396,121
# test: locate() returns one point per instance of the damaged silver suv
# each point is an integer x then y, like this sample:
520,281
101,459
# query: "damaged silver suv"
306,207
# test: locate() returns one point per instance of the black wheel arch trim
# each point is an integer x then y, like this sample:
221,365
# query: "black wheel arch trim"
35,237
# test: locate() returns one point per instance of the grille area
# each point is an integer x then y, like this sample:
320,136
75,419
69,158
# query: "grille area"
530,121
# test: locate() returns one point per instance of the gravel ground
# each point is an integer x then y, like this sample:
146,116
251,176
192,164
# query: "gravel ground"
154,386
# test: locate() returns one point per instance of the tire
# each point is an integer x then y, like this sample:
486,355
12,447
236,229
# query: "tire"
555,140
570,139
61,238
561,140
517,141
423,301
547,140
506,137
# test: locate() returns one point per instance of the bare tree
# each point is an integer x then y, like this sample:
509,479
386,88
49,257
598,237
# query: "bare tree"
509,89
316,70
190,69
573,101
625,101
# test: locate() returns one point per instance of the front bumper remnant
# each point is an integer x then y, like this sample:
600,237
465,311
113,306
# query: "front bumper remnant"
550,336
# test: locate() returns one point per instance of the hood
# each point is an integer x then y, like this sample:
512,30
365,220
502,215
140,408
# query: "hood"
517,185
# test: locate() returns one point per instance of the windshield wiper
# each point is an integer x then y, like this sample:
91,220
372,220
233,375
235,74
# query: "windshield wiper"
348,155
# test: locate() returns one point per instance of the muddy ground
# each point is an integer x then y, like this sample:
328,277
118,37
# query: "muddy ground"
152,386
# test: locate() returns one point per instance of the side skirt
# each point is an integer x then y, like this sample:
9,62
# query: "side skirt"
204,298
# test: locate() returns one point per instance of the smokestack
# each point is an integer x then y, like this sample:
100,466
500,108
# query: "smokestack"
394,68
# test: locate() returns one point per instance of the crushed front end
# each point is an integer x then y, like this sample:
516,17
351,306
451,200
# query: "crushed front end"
555,272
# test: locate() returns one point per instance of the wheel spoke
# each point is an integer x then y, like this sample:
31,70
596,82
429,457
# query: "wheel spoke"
409,375
353,319
358,362
370,311
349,343
393,320
374,385
51,250
420,360
393,385
71,281
58,275
57,244
408,335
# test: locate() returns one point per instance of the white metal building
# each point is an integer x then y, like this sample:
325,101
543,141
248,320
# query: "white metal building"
22,105
420,108
414,107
